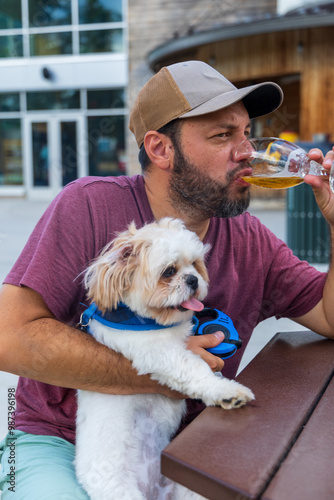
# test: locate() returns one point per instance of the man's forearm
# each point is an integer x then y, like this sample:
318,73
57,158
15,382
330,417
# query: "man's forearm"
54,353
321,317
35,345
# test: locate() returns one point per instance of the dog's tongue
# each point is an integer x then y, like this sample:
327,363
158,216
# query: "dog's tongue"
193,305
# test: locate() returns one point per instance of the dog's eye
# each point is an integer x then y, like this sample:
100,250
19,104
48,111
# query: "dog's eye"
169,272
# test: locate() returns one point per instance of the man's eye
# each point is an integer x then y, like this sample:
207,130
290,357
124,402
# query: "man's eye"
169,272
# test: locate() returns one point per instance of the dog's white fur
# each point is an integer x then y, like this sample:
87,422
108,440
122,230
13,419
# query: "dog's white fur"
120,438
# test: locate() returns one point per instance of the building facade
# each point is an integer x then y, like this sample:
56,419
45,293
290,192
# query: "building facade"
64,75
70,69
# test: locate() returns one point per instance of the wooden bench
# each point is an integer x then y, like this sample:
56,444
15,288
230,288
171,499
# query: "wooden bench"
279,447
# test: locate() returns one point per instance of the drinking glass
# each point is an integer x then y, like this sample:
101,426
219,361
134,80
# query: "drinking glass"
279,164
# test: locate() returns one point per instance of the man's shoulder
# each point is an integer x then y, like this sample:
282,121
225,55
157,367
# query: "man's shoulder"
92,189
93,183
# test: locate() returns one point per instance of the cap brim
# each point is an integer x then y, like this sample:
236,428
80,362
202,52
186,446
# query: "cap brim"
259,100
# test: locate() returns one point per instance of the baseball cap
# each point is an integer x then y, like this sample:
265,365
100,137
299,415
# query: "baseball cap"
194,88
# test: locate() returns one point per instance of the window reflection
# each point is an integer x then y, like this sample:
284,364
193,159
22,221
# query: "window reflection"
50,44
11,168
101,41
9,102
69,154
11,46
40,154
99,99
100,11
49,12
66,99
106,145
10,14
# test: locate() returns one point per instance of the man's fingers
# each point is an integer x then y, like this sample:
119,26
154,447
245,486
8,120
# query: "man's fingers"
212,339
317,155
198,343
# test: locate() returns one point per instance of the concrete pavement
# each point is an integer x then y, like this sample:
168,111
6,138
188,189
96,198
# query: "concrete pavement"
18,218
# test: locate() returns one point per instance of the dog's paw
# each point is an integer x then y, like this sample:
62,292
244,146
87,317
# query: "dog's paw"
239,396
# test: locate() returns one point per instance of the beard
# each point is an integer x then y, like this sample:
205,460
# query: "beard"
193,192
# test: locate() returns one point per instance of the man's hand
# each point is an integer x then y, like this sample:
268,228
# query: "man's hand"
198,343
321,189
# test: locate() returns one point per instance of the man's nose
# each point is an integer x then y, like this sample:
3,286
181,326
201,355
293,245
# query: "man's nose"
243,151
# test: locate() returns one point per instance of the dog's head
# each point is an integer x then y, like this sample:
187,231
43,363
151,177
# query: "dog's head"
158,271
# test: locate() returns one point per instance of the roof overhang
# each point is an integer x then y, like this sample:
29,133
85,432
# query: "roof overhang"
228,32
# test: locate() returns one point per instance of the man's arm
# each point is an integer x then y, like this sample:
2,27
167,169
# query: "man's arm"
35,345
321,318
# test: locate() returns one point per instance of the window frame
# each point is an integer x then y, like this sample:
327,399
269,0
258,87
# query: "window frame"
75,28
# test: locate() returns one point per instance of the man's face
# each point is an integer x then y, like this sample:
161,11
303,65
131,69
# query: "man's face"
206,179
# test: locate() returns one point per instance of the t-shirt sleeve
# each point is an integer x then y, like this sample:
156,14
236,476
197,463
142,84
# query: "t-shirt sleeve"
57,252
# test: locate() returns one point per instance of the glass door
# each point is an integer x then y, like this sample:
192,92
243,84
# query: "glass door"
40,154
53,153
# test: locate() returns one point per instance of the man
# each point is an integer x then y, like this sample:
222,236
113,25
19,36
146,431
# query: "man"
188,121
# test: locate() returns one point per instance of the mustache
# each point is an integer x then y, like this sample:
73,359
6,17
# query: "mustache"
234,173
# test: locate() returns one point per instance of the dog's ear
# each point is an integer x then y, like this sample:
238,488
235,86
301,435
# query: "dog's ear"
109,277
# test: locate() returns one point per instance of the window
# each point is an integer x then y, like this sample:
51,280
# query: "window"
9,102
69,151
66,99
101,41
100,11
51,44
40,153
61,27
99,99
106,145
95,129
11,170
49,13
11,46
10,14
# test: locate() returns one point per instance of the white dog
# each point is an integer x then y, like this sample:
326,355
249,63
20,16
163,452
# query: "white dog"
158,272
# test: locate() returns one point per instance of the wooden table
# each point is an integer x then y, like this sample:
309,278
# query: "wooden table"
279,447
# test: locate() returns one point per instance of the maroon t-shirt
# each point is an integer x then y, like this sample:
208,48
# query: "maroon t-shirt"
253,275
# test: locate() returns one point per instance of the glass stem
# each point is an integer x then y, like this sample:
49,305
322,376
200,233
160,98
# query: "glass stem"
316,169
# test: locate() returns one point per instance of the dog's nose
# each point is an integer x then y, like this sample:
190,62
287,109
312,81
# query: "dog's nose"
192,281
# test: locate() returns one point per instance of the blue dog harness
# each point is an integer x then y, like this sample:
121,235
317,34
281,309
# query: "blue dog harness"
121,318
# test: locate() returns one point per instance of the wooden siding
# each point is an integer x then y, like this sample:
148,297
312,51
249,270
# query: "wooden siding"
308,53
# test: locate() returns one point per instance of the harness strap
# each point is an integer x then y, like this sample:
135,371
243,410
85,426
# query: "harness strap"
121,318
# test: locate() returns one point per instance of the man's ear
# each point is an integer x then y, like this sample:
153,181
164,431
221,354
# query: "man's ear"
159,149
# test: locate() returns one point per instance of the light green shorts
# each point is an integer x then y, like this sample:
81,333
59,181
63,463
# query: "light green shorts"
38,468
